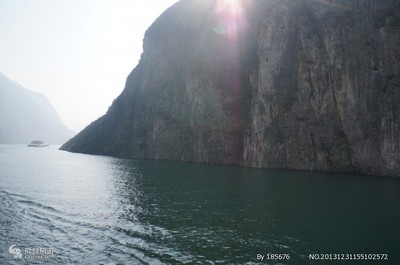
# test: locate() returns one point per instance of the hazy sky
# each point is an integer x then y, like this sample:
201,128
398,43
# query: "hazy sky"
76,52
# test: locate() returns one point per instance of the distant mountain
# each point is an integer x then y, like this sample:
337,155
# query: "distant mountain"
26,115
307,85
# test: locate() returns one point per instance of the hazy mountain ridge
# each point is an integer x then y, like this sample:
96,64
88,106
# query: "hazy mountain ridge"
27,115
306,85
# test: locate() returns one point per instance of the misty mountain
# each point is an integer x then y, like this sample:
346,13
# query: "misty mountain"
26,115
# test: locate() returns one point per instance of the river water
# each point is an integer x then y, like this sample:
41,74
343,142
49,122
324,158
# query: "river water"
64,208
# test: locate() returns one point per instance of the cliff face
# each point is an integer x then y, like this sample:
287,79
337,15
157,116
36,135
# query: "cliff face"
27,115
311,85
326,92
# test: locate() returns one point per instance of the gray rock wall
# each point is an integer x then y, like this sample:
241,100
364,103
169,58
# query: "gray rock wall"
310,85
326,93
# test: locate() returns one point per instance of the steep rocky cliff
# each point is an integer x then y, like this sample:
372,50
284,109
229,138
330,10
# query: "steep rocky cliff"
310,85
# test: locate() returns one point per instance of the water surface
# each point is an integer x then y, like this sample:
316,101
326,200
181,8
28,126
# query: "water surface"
102,210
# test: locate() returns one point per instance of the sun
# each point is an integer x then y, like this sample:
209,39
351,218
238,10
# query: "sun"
233,6
231,17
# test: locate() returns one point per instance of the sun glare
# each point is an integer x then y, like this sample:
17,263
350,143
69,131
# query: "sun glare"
231,17
234,7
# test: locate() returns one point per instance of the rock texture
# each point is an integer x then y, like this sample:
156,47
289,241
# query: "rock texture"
309,85
27,115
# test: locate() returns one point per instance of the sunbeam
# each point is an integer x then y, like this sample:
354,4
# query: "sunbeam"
231,15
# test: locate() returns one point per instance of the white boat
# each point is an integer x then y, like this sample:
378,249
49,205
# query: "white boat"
37,144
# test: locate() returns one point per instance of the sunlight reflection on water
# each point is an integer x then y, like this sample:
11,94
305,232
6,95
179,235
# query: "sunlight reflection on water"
94,209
